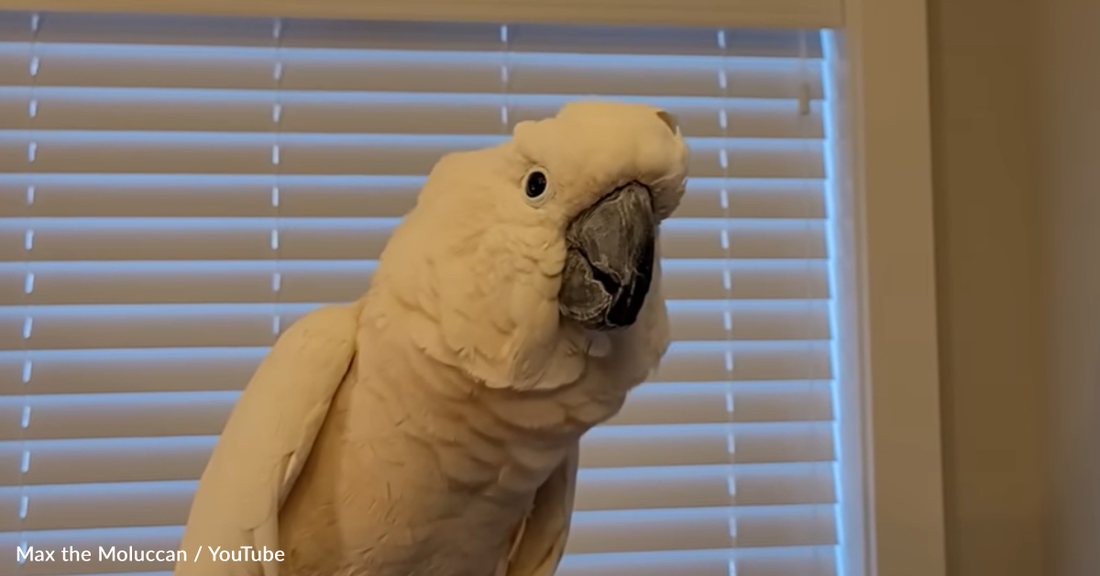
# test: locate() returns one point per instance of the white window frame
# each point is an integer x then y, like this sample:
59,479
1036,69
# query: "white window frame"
891,424
885,139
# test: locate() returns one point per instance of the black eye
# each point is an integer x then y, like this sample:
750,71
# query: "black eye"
536,184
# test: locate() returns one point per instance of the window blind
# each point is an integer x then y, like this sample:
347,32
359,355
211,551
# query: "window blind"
753,13
175,191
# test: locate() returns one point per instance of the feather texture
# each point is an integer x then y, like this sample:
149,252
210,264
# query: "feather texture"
266,442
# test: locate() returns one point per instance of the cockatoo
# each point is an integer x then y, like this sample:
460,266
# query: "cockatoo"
432,427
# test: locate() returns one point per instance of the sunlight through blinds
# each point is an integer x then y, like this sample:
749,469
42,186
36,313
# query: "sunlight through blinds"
175,191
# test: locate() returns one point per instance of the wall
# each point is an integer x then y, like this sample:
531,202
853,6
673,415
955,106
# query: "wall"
1069,190
1016,130
988,262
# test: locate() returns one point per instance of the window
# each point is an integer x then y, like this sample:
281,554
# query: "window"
174,191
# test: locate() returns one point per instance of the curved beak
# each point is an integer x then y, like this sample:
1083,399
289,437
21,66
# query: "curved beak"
609,263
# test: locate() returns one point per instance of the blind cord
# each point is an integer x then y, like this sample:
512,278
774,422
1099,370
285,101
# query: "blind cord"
276,190
727,284
28,286
505,80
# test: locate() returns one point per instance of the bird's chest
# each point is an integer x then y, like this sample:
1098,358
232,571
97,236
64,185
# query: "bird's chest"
401,537
376,498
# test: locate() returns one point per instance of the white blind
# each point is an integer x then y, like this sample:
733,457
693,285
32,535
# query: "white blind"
176,190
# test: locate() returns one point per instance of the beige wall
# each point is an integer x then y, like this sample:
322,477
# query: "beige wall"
1016,133
987,252
1069,192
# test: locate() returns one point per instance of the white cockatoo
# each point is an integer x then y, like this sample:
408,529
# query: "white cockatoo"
432,427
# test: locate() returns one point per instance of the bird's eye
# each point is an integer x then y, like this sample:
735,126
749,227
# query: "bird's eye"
535,185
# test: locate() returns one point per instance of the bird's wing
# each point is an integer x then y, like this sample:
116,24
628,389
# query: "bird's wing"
265,443
539,543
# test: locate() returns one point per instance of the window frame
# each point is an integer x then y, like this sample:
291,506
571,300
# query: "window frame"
890,430
885,139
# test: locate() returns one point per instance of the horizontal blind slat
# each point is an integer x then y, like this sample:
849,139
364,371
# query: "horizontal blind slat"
181,369
785,561
661,40
628,492
36,416
602,532
768,561
755,401
70,152
173,66
591,533
698,444
15,61
352,238
754,77
165,325
154,29
200,195
229,281
15,26
106,109
104,505
781,14
354,33
140,538
690,486
225,33
184,457
531,37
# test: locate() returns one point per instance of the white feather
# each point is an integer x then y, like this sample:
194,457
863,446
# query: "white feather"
265,441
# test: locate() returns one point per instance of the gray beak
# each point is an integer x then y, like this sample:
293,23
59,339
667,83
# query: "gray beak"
609,263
